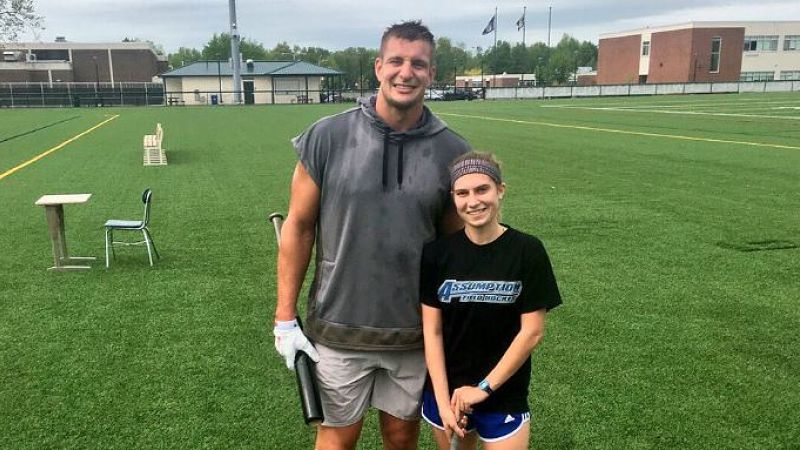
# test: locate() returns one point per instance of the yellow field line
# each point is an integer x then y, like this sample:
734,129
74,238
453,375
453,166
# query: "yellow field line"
57,147
616,131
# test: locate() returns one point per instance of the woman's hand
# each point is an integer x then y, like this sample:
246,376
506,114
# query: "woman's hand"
453,424
464,397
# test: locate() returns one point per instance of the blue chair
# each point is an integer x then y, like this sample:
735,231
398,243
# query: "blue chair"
132,225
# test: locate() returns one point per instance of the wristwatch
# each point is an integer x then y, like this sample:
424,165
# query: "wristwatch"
484,386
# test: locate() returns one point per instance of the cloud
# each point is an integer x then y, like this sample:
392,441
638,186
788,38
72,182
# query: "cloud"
350,23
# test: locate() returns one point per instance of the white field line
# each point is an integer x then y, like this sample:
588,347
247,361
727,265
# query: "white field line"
691,113
688,104
618,131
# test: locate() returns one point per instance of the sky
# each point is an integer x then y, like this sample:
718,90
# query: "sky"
339,24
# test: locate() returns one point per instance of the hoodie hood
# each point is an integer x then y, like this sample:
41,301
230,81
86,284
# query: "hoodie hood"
428,125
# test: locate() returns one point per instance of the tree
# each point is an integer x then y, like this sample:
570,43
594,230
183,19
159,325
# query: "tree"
587,54
563,60
450,61
358,65
317,55
281,52
219,48
444,60
498,59
183,57
539,56
520,62
158,48
15,15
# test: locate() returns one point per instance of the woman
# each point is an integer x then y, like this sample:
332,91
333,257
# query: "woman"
485,292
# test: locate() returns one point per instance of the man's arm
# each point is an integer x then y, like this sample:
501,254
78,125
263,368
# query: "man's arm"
297,238
450,222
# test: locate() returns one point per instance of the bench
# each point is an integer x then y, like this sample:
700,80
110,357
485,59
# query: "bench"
154,154
172,101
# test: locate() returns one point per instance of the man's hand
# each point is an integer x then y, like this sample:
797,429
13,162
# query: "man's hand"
289,339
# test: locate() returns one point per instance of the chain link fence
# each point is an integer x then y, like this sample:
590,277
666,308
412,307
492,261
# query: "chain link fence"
31,95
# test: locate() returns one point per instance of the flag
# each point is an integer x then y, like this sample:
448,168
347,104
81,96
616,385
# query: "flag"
491,25
521,22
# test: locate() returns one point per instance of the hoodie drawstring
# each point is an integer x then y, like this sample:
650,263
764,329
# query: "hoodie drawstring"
385,158
400,165
385,175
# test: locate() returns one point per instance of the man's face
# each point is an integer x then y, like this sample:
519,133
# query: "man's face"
404,70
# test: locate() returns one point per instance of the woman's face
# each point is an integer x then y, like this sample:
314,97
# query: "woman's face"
477,199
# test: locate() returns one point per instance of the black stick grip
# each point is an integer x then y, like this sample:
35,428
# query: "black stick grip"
306,372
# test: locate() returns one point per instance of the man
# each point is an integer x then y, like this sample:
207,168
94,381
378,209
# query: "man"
370,188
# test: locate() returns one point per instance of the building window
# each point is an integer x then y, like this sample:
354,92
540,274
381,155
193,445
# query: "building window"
757,76
716,47
790,75
289,84
645,48
760,43
51,55
791,43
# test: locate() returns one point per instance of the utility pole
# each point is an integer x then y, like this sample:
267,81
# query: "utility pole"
236,58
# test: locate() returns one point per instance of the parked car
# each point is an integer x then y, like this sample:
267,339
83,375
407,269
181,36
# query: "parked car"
433,94
332,98
460,94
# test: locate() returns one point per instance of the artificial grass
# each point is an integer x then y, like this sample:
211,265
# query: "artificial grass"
678,328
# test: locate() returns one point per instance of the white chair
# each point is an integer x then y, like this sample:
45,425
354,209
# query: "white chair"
154,154
132,225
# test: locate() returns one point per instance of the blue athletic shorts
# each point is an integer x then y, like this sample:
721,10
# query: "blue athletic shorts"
491,426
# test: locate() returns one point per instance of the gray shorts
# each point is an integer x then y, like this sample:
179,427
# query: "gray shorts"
351,381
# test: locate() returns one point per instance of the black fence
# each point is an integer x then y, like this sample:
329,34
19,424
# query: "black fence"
258,97
32,95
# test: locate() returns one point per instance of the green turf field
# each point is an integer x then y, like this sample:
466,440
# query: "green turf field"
673,224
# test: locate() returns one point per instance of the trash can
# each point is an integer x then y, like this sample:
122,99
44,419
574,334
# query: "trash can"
214,99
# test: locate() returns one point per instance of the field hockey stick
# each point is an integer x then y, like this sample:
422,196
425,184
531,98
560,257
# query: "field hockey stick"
305,370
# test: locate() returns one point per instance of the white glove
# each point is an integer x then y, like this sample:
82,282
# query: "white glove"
289,339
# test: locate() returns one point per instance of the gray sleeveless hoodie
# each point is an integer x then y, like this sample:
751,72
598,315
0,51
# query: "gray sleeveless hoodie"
382,195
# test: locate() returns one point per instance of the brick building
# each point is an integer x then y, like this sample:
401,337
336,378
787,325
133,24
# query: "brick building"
702,52
63,61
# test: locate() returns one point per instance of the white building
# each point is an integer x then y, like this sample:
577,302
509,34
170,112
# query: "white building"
263,82
771,51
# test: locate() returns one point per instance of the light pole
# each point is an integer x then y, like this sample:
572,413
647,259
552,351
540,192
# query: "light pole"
219,78
360,74
96,81
538,70
294,54
326,83
455,75
479,51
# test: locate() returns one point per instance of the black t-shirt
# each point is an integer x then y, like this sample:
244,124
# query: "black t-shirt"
482,290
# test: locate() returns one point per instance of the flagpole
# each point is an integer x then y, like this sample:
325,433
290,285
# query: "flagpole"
524,25
494,72
549,22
